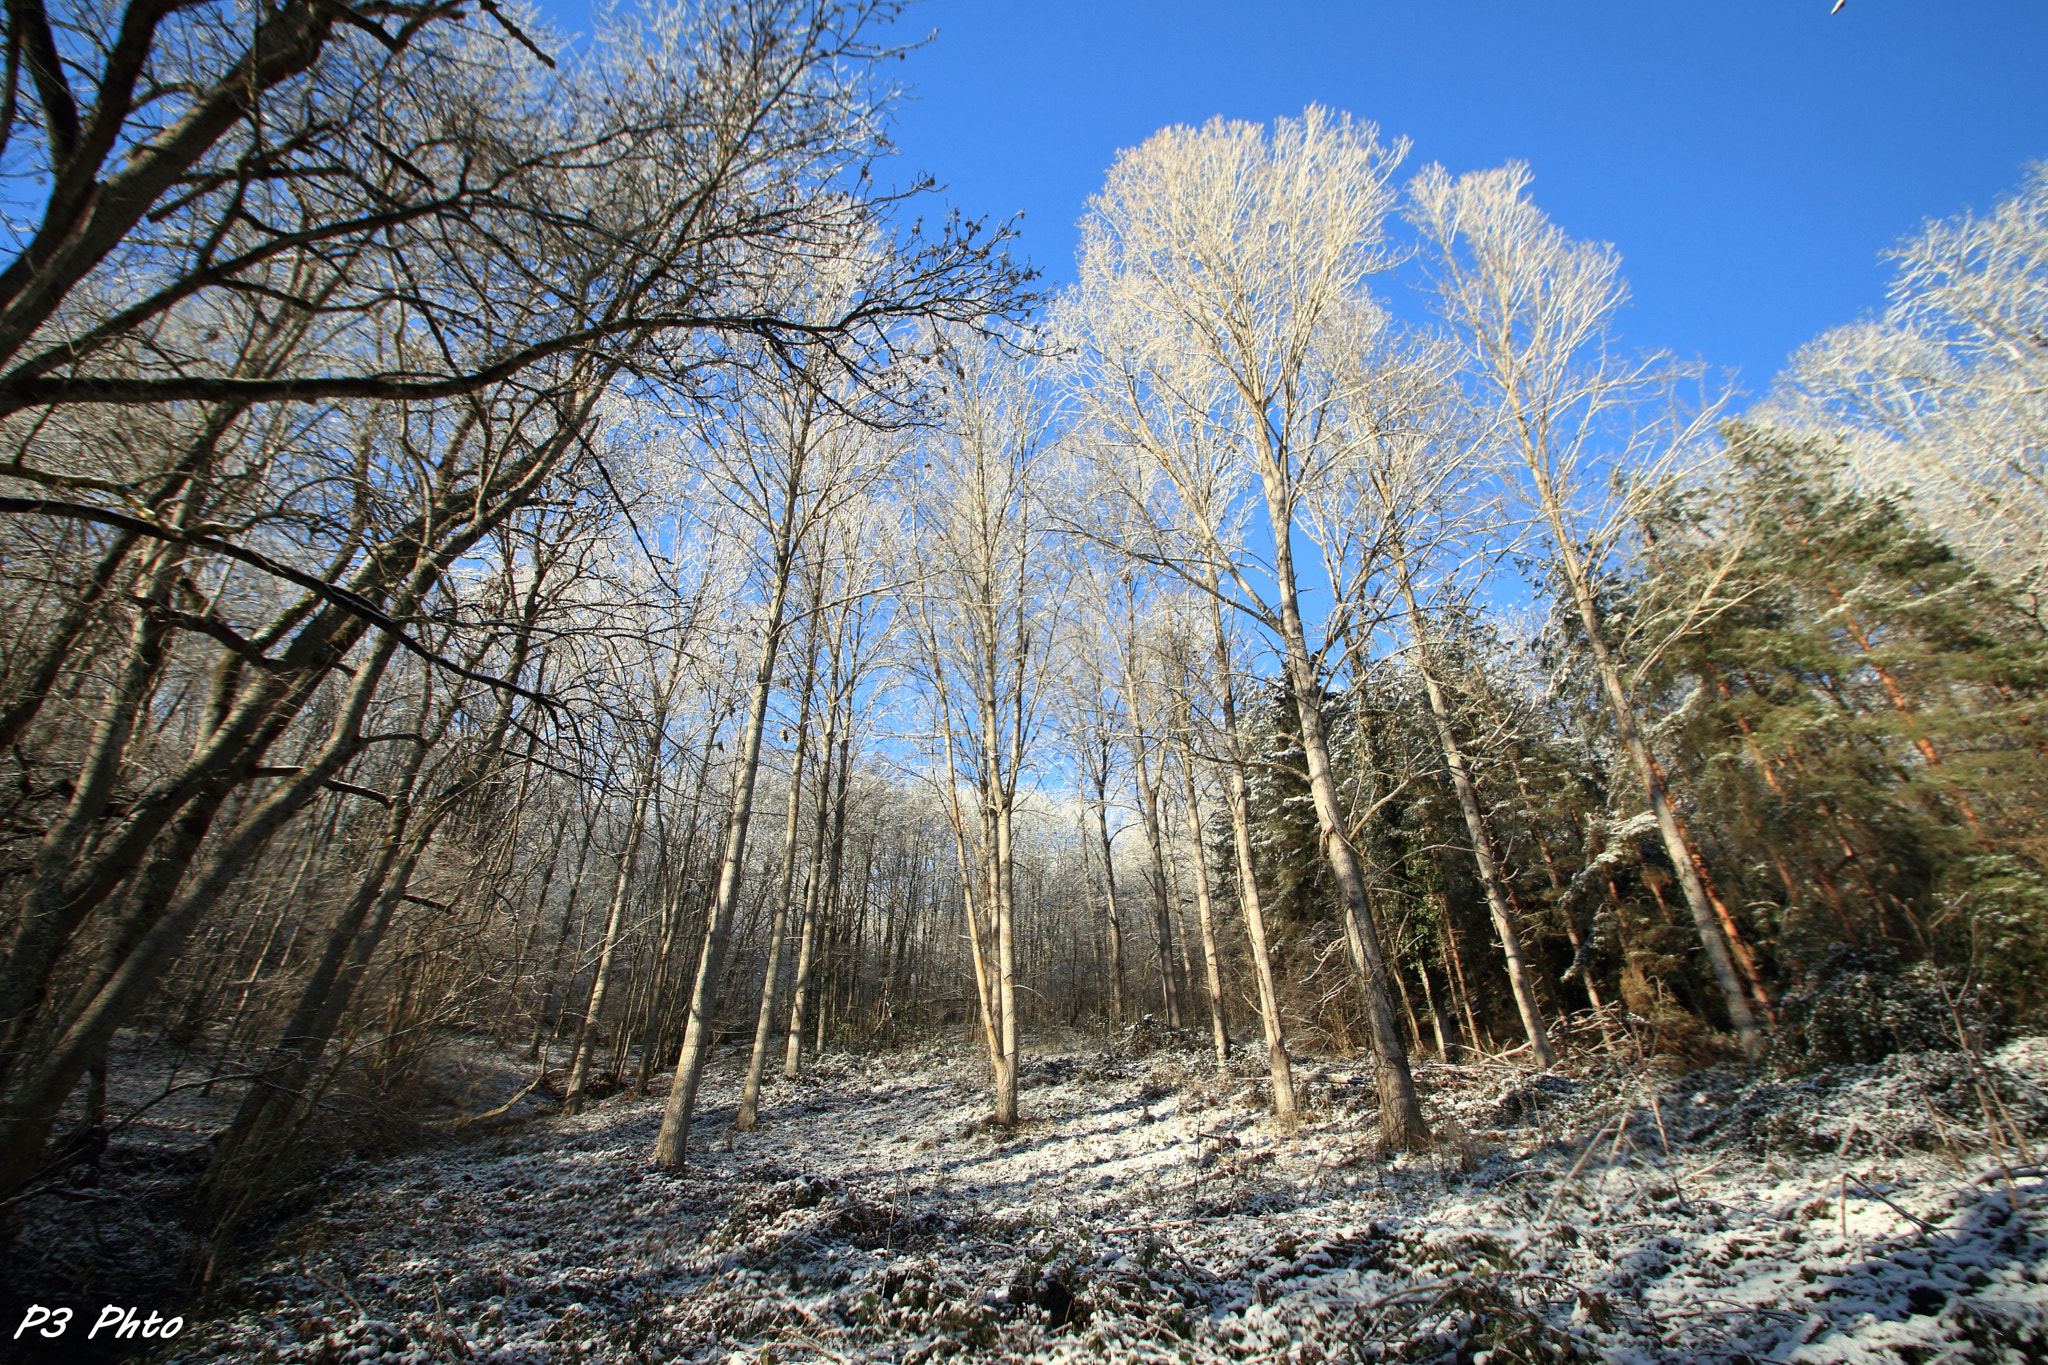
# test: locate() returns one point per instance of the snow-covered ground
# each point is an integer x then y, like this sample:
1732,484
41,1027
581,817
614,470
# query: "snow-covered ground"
1148,1210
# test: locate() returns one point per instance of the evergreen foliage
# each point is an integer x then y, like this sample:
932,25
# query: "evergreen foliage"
1850,706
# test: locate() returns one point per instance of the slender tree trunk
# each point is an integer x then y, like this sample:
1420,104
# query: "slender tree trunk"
547,1018
1519,976
807,934
750,1095
684,901
998,797
622,888
829,899
1006,968
1401,1123
1162,915
268,1106
316,845
1115,924
1218,1029
1737,945
1279,1067
1571,926
1407,999
651,995
540,903
984,983
1436,1014
671,1142
1622,709
48,916
1184,956
1455,962
38,678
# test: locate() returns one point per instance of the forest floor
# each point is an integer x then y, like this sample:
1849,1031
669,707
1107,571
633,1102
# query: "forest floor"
1147,1209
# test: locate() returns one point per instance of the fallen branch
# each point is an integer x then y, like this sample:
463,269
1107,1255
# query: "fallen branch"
1621,1121
2016,1173
466,1119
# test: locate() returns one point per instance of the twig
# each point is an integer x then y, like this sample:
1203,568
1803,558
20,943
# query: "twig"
1948,1143
1987,1098
1925,1226
2012,1173
1665,1138
1572,1174
456,1344
1614,1154
340,1286
1715,1165
1152,1227
820,1347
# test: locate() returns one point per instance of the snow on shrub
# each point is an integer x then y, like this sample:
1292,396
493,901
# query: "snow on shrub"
1860,1004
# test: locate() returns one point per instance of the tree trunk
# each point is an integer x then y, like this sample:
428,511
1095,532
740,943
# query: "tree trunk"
750,1094
1401,1123
999,854
1519,976
1675,844
1006,970
1455,962
165,905
814,894
1116,932
1162,915
1436,1014
1571,926
671,1143
267,1106
1219,1031
547,1017
1278,1065
1407,999
829,889
622,888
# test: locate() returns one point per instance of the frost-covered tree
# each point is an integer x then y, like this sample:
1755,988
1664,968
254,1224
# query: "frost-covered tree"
1533,310
1222,269
1946,393
988,610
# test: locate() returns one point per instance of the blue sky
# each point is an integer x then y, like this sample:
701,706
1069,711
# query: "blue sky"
1750,158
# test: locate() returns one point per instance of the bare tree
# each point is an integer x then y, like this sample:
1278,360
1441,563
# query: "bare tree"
983,544
1532,308
1947,393
646,771
303,333
1093,718
778,933
1216,264
1179,653
787,456
1279,1068
1419,465
859,568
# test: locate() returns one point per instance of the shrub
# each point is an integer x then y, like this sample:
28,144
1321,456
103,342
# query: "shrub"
1861,1004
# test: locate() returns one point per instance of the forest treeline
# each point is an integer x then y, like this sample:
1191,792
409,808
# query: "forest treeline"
543,544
